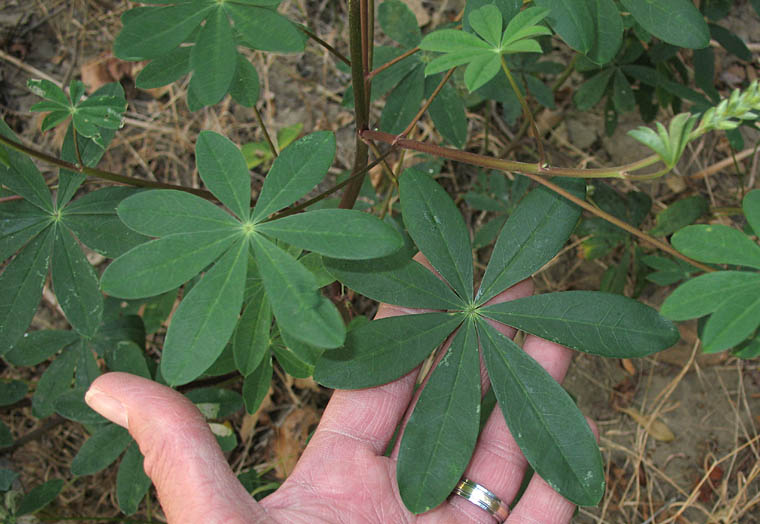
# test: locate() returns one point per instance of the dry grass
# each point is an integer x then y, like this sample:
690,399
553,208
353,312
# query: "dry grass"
708,473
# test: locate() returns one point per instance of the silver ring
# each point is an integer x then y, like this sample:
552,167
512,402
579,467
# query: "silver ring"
482,498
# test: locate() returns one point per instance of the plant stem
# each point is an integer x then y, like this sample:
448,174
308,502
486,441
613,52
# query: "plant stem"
539,174
429,101
76,145
389,63
105,175
337,54
526,110
621,172
357,24
272,147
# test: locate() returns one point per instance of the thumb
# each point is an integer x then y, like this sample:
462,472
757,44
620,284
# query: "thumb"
194,482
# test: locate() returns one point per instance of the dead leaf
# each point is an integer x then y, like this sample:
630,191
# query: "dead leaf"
104,70
658,430
290,439
628,366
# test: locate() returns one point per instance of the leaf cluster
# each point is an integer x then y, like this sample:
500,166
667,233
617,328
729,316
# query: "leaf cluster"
731,296
440,436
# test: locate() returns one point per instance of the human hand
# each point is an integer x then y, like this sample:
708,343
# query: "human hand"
342,475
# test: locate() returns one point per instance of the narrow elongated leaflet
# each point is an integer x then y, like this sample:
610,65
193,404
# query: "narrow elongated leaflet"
399,23
300,167
396,279
251,341
534,232
54,381
384,350
734,319
21,282
131,481
544,421
403,102
164,212
340,233
100,450
165,69
751,207
296,302
265,29
604,324
206,318
439,437
256,385
39,497
94,221
163,264
222,167
213,58
717,244
702,295
21,176
76,284
438,229
677,22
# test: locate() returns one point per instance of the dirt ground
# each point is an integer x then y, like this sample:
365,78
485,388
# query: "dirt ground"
679,430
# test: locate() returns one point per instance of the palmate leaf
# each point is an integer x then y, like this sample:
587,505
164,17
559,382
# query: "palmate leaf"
557,441
438,441
544,421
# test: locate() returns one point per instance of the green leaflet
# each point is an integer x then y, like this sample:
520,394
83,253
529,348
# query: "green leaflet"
680,214
94,220
213,59
677,22
544,421
251,341
296,302
22,177
397,280
384,350
300,167
71,405
76,284
600,323
223,170
54,381
151,32
340,233
165,69
38,346
245,84
702,295
39,497
20,221
717,244
608,30
438,229
518,253
265,29
440,436
448,113
100,450
131,481
573,21
592,90
163,264
256,385
399,23
734,319
751,206
403,102
21,282
223,402
128,357
11,392
206,318
164,212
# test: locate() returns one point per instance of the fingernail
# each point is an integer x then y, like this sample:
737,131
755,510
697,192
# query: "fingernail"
107,406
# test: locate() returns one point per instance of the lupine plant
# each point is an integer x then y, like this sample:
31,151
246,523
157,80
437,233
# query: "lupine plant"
241,269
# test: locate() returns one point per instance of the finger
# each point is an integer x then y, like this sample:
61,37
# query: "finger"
182,458
498,463
540,503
